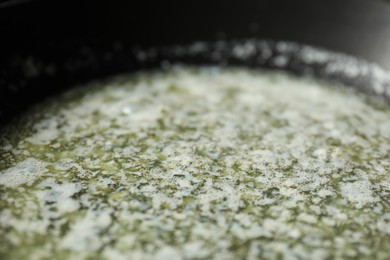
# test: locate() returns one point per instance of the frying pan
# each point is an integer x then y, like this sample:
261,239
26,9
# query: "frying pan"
49,46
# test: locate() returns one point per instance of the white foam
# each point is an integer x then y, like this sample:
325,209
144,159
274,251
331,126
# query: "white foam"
224,156
83,235
57,192
24,172
358,192
168,253
46,131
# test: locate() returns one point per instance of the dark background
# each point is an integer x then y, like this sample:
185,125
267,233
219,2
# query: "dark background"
49,45
357,27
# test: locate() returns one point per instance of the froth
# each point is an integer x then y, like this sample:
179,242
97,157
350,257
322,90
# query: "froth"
24,172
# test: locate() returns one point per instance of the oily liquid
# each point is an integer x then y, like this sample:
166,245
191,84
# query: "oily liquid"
198,163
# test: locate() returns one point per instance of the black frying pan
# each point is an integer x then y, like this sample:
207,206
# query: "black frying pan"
49,46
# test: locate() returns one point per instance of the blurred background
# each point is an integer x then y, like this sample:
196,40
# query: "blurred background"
46,43
357,27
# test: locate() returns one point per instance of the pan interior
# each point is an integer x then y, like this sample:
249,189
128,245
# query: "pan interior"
198,162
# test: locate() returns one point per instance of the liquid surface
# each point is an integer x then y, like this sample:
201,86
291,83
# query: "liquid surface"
198,163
